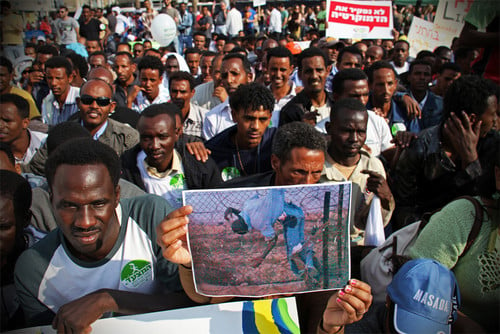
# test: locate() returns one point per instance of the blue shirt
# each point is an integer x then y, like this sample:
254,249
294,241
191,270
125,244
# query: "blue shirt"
186,23
397,118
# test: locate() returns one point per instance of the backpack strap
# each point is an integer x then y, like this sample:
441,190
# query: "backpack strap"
476,227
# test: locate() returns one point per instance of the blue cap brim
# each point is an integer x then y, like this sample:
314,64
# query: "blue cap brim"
409,323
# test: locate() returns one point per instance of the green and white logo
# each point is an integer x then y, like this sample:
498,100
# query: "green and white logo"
135,273
177,181
229,173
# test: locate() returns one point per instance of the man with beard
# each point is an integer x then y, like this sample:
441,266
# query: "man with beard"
212,93
235,71
298,155
181,91
346,160
59,280
126,81
155,166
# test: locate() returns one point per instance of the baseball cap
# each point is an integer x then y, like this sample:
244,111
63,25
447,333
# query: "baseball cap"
294,48
426,297
327,42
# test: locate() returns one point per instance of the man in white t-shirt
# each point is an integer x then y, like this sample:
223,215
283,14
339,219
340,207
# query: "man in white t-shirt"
59,280
234,21
400,56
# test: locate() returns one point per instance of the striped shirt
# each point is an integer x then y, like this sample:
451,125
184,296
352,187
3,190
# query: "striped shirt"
52,114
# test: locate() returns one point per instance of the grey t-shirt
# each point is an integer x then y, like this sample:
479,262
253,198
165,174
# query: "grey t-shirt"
66,30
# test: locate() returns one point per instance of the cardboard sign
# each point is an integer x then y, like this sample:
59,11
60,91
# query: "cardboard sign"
255,316
257,3
449,20
423,36
254,242
359,19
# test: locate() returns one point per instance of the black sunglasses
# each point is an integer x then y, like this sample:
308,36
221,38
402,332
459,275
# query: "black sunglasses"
101,101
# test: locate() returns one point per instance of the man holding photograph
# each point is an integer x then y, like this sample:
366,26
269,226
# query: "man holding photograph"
298,155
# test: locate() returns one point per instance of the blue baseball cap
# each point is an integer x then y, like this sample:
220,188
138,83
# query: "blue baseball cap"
426,297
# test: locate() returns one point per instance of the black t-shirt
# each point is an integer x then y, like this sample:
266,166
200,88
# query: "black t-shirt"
90,30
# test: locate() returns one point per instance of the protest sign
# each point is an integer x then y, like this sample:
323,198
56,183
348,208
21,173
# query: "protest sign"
264,241
257,3
359,19
449,19
256,316
423,36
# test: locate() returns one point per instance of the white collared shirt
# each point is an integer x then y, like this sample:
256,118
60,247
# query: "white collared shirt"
141,102
217,120
279,104
204,96
52,114
168,184
37,139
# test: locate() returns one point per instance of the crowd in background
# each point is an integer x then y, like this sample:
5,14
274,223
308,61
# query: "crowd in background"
234,100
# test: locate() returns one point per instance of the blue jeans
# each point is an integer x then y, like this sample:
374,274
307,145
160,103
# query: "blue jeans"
185,41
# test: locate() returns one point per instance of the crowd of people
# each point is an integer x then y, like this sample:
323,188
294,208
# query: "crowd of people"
101,129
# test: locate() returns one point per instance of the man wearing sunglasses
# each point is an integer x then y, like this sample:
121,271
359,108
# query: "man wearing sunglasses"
95,105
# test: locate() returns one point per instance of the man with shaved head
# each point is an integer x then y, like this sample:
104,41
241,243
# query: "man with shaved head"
95,105
121,114
373,54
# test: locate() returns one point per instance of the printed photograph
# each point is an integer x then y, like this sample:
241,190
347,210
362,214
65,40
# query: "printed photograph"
257,242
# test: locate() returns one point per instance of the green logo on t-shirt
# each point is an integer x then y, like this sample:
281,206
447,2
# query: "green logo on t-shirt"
177,181
135,273
229,173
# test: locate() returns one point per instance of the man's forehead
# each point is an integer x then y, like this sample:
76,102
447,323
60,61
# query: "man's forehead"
351,55
232,62
91,173
280,60
355,85
383,73
148,123
96,84
316,60
301,153
401,45
148,72
346,116
259,112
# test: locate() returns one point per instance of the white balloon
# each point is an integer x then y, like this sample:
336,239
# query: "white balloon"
163,29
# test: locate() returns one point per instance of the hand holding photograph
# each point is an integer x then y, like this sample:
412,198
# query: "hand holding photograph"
254,242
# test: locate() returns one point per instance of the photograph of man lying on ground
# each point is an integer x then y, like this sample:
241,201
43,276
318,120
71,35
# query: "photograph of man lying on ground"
256,242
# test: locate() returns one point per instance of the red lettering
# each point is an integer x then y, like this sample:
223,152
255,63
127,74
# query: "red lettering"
360,15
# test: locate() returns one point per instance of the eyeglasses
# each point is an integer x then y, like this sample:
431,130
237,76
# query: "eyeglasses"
101,101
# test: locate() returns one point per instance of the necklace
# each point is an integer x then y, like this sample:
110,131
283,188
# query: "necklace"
239,157
256,166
